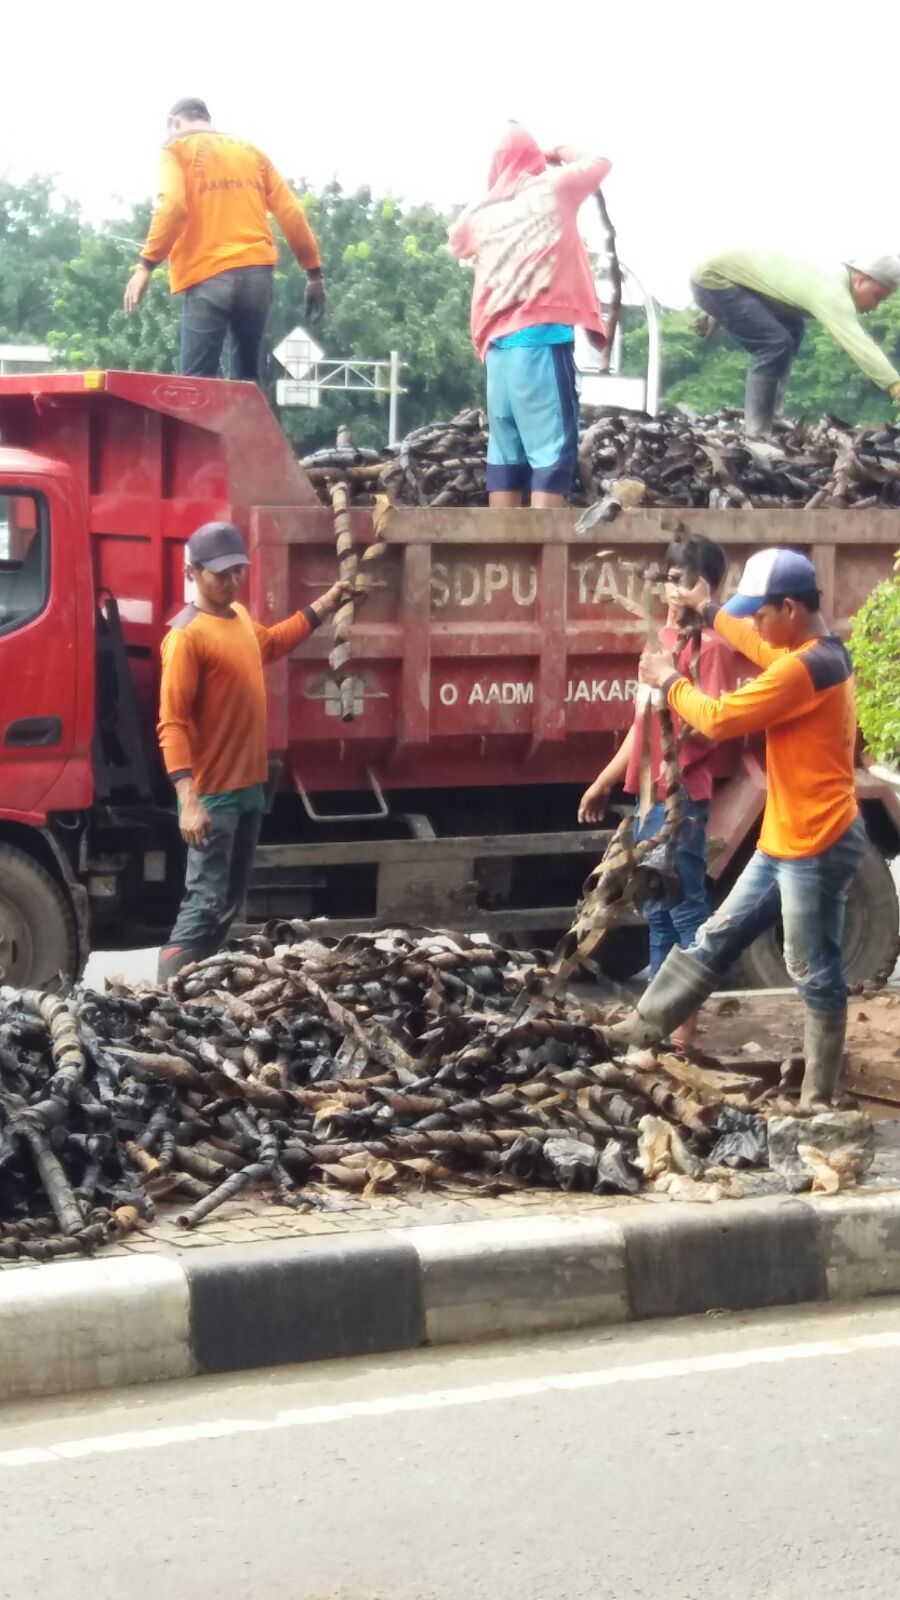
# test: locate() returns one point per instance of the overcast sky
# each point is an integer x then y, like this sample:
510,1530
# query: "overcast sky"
777,121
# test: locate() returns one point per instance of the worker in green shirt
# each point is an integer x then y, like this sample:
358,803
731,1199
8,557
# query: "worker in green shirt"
762,299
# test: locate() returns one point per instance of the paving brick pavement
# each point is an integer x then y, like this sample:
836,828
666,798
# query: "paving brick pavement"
257,1219
251,1219
243,1222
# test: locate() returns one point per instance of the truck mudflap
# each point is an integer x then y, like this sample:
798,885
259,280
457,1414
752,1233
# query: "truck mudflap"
735,810
881,785
77,894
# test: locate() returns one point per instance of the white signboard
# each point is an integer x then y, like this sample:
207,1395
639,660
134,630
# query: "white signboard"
298,354
288,392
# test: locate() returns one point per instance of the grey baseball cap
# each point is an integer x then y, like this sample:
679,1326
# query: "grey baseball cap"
216,546
884,269
193,109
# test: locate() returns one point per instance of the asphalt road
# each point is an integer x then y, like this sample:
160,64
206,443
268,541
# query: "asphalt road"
726,1457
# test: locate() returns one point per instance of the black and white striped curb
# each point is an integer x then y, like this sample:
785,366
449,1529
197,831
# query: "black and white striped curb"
92,1324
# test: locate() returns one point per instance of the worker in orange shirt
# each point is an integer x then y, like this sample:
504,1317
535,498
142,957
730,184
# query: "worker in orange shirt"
211,222
212,733
812,840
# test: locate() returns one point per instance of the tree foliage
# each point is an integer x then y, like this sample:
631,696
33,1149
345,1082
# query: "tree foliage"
392,285
39,231
875,648
90,328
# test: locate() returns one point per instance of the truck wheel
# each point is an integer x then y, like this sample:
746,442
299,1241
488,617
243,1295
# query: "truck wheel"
870,934
37,929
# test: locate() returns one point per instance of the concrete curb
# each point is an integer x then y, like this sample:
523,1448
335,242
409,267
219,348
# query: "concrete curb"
95,1324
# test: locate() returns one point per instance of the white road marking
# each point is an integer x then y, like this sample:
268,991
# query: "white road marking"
436,1399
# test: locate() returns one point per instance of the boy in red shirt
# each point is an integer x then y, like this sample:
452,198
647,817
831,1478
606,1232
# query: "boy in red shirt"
700,762
812,839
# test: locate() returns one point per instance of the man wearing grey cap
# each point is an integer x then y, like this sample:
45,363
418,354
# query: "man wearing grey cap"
762,299
212,733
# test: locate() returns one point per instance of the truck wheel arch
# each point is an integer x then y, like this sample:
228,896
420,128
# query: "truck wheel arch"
41,888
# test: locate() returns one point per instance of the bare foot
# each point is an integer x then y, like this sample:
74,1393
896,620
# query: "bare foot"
685,1036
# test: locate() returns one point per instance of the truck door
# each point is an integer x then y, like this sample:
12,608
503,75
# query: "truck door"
38,652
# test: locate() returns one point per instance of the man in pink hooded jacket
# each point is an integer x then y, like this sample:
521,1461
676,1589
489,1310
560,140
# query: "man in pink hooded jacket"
533,287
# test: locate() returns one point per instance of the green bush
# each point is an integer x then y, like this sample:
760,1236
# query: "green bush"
875,648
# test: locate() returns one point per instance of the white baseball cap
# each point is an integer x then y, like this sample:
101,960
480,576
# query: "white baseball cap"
768,575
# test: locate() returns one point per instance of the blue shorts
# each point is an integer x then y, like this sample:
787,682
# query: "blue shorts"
532,407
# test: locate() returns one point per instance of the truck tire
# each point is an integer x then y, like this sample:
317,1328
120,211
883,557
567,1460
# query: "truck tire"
38,941
870,934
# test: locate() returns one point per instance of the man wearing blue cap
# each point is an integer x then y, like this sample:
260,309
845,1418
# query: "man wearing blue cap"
212,733
812,839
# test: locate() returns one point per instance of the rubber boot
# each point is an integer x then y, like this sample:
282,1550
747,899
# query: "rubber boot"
823,1053
780,392
172,957
678,990
759,404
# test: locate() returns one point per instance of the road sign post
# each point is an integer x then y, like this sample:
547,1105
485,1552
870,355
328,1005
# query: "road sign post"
311,374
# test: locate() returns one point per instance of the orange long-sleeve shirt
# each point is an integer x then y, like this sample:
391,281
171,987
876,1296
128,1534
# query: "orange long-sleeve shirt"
215,196
212,700
803,701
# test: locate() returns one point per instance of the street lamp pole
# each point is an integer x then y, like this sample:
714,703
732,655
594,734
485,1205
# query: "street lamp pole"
394,400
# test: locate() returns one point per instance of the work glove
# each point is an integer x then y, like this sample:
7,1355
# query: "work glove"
704,325
315,298
894,392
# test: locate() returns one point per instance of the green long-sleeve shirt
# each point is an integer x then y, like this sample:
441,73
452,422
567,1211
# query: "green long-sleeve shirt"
818,291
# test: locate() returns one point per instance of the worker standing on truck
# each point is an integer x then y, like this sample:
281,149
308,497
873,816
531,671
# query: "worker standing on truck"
211,222
812,840
762,298
533,287
714,669
212,733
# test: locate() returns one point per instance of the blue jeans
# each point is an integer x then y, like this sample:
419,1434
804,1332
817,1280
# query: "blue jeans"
236,302
216,880
811,897
678,924
770,331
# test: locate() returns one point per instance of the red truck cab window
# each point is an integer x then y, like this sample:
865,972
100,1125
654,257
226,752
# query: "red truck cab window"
24,559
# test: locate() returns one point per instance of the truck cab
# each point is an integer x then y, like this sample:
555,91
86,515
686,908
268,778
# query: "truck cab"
103,476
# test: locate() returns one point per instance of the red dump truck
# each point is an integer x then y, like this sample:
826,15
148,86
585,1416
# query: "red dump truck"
493,672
